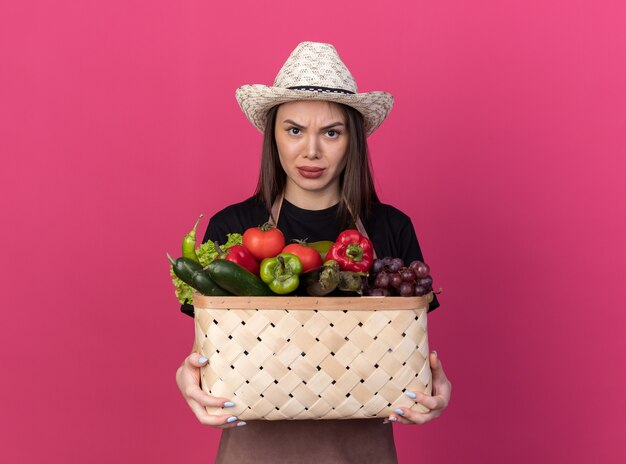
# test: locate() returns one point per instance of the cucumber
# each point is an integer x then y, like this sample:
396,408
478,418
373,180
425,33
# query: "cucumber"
237,280
201,281
184,268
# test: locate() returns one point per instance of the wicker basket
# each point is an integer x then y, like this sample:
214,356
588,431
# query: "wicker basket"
282,358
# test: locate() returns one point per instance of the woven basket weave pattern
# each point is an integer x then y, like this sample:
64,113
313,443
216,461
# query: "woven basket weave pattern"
279,364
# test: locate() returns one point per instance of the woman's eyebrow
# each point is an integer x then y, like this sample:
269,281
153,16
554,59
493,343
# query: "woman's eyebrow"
334,124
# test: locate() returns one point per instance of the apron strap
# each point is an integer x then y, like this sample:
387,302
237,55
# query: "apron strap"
275,211
278,204
363,232
359,224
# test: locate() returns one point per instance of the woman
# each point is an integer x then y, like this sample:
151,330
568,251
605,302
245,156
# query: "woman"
315,181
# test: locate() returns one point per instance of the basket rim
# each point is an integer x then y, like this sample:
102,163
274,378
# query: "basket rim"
339,303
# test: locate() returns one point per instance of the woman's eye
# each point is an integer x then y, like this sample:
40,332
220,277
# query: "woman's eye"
293,130
333,133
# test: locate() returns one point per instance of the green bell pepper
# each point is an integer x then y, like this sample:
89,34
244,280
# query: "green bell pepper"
281,273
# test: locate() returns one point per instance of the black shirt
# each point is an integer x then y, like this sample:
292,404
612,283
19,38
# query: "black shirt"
389,229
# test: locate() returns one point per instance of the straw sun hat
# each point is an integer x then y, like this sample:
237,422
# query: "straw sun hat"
313,71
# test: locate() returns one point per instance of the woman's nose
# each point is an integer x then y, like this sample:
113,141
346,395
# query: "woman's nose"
312,148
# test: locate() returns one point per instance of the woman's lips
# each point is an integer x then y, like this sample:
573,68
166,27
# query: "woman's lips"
310,172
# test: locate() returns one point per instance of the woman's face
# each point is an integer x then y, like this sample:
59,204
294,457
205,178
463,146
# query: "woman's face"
312,141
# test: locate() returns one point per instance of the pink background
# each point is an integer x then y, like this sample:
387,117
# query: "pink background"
118,126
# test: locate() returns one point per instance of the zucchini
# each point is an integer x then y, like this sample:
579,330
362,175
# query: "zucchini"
237,280
320,281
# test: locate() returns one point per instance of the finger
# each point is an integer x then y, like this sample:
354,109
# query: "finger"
408,416
430,402
436,367
197,394
214,420
441,384
188,381
235,424
195,360
442,388
188,373
398,419
435,364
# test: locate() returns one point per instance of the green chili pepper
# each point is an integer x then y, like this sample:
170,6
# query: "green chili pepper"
281,273
189,243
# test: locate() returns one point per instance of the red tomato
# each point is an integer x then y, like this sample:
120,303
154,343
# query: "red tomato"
263,242
310,257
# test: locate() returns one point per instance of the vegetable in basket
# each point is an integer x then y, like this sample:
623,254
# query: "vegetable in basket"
189,243
309,256
353,251
350,281
281,273
239,254
263,242
236,279
195,276
320,281
184,268
203,282
206,253
322,247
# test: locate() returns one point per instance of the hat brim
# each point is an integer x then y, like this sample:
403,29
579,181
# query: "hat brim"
255,100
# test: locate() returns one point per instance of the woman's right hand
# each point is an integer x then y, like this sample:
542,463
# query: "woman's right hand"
188,380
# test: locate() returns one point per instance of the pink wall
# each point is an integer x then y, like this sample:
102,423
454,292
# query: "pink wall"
118,125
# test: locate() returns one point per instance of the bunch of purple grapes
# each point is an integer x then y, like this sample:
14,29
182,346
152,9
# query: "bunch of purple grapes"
389,276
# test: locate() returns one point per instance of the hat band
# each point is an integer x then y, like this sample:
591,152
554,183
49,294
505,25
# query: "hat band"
319,89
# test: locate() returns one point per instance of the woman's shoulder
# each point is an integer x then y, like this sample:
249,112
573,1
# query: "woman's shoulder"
387,213
248,206
236,218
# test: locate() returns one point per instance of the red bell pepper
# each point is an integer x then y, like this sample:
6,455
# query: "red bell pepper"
353,251
240,255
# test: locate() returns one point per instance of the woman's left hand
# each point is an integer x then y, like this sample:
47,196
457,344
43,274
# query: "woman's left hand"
436,403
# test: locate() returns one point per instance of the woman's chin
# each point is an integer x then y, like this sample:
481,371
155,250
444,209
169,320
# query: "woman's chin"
313,186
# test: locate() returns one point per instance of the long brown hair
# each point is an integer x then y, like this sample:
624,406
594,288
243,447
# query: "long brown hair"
356,181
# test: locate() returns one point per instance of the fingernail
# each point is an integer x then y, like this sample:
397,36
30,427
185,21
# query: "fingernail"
411,395
202,360
385,421
241,424
436,355
399,411
229,404
393,419
231,419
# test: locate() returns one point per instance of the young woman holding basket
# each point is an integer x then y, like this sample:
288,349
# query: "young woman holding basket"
315,182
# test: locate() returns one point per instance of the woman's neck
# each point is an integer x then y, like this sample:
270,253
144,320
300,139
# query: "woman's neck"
311,200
